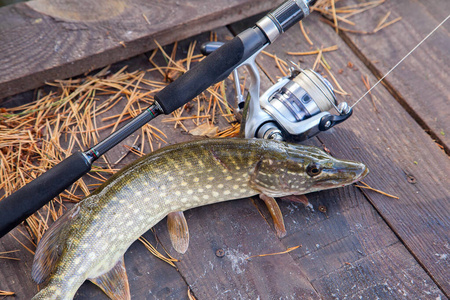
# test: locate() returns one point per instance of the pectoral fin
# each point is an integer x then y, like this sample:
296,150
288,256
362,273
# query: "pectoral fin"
178,231
51,245
297,198
275,212
115,282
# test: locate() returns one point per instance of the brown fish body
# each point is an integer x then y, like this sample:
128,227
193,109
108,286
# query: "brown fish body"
91,238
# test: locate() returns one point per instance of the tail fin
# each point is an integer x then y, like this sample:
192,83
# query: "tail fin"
50,247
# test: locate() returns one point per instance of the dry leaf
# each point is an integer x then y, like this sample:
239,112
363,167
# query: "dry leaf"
205,129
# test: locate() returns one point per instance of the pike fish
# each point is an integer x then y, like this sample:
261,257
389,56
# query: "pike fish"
88,242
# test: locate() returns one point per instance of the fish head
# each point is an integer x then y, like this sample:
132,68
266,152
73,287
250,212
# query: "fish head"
304,169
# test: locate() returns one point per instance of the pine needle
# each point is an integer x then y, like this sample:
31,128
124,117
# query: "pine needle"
387,24
190,295
366,82
366,186
5,293
170,260
302,28
339,88
232,131
383,19
333,10
22,244
277,253
341,14
318,59
314,52
8,257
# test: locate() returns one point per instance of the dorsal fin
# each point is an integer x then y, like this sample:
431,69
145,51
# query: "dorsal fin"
50,246
115,282
178,231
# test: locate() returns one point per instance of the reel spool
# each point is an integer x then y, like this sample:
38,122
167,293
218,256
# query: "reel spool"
303,96
299,106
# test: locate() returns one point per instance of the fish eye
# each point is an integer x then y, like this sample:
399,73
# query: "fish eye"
313,170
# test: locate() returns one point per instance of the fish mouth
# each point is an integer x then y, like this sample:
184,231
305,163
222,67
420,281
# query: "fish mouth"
352,172
364,173
341,174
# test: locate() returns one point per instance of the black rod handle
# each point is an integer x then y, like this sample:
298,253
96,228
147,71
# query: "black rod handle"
288,13
24,202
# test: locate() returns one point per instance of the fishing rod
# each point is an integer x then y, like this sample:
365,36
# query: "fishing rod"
216,67
295,108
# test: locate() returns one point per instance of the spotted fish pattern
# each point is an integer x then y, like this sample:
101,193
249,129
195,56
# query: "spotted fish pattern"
89,241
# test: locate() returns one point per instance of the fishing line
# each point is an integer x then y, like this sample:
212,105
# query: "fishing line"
409,53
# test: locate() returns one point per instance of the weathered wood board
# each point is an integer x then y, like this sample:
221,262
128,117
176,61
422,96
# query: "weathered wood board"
363,245
44,40
421,83
403,159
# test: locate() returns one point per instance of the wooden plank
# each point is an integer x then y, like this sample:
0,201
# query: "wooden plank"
349,252
156,279
15,274
421,83
237,229
354,234
43,40
403,159
349,227
404,280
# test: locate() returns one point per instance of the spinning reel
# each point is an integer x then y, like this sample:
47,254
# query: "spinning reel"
295,108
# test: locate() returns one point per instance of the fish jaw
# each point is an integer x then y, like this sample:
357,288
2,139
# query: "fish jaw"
342,173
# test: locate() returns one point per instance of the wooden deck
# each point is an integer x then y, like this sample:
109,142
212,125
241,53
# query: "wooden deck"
365,245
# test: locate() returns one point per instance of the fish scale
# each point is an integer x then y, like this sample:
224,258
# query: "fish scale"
91,238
